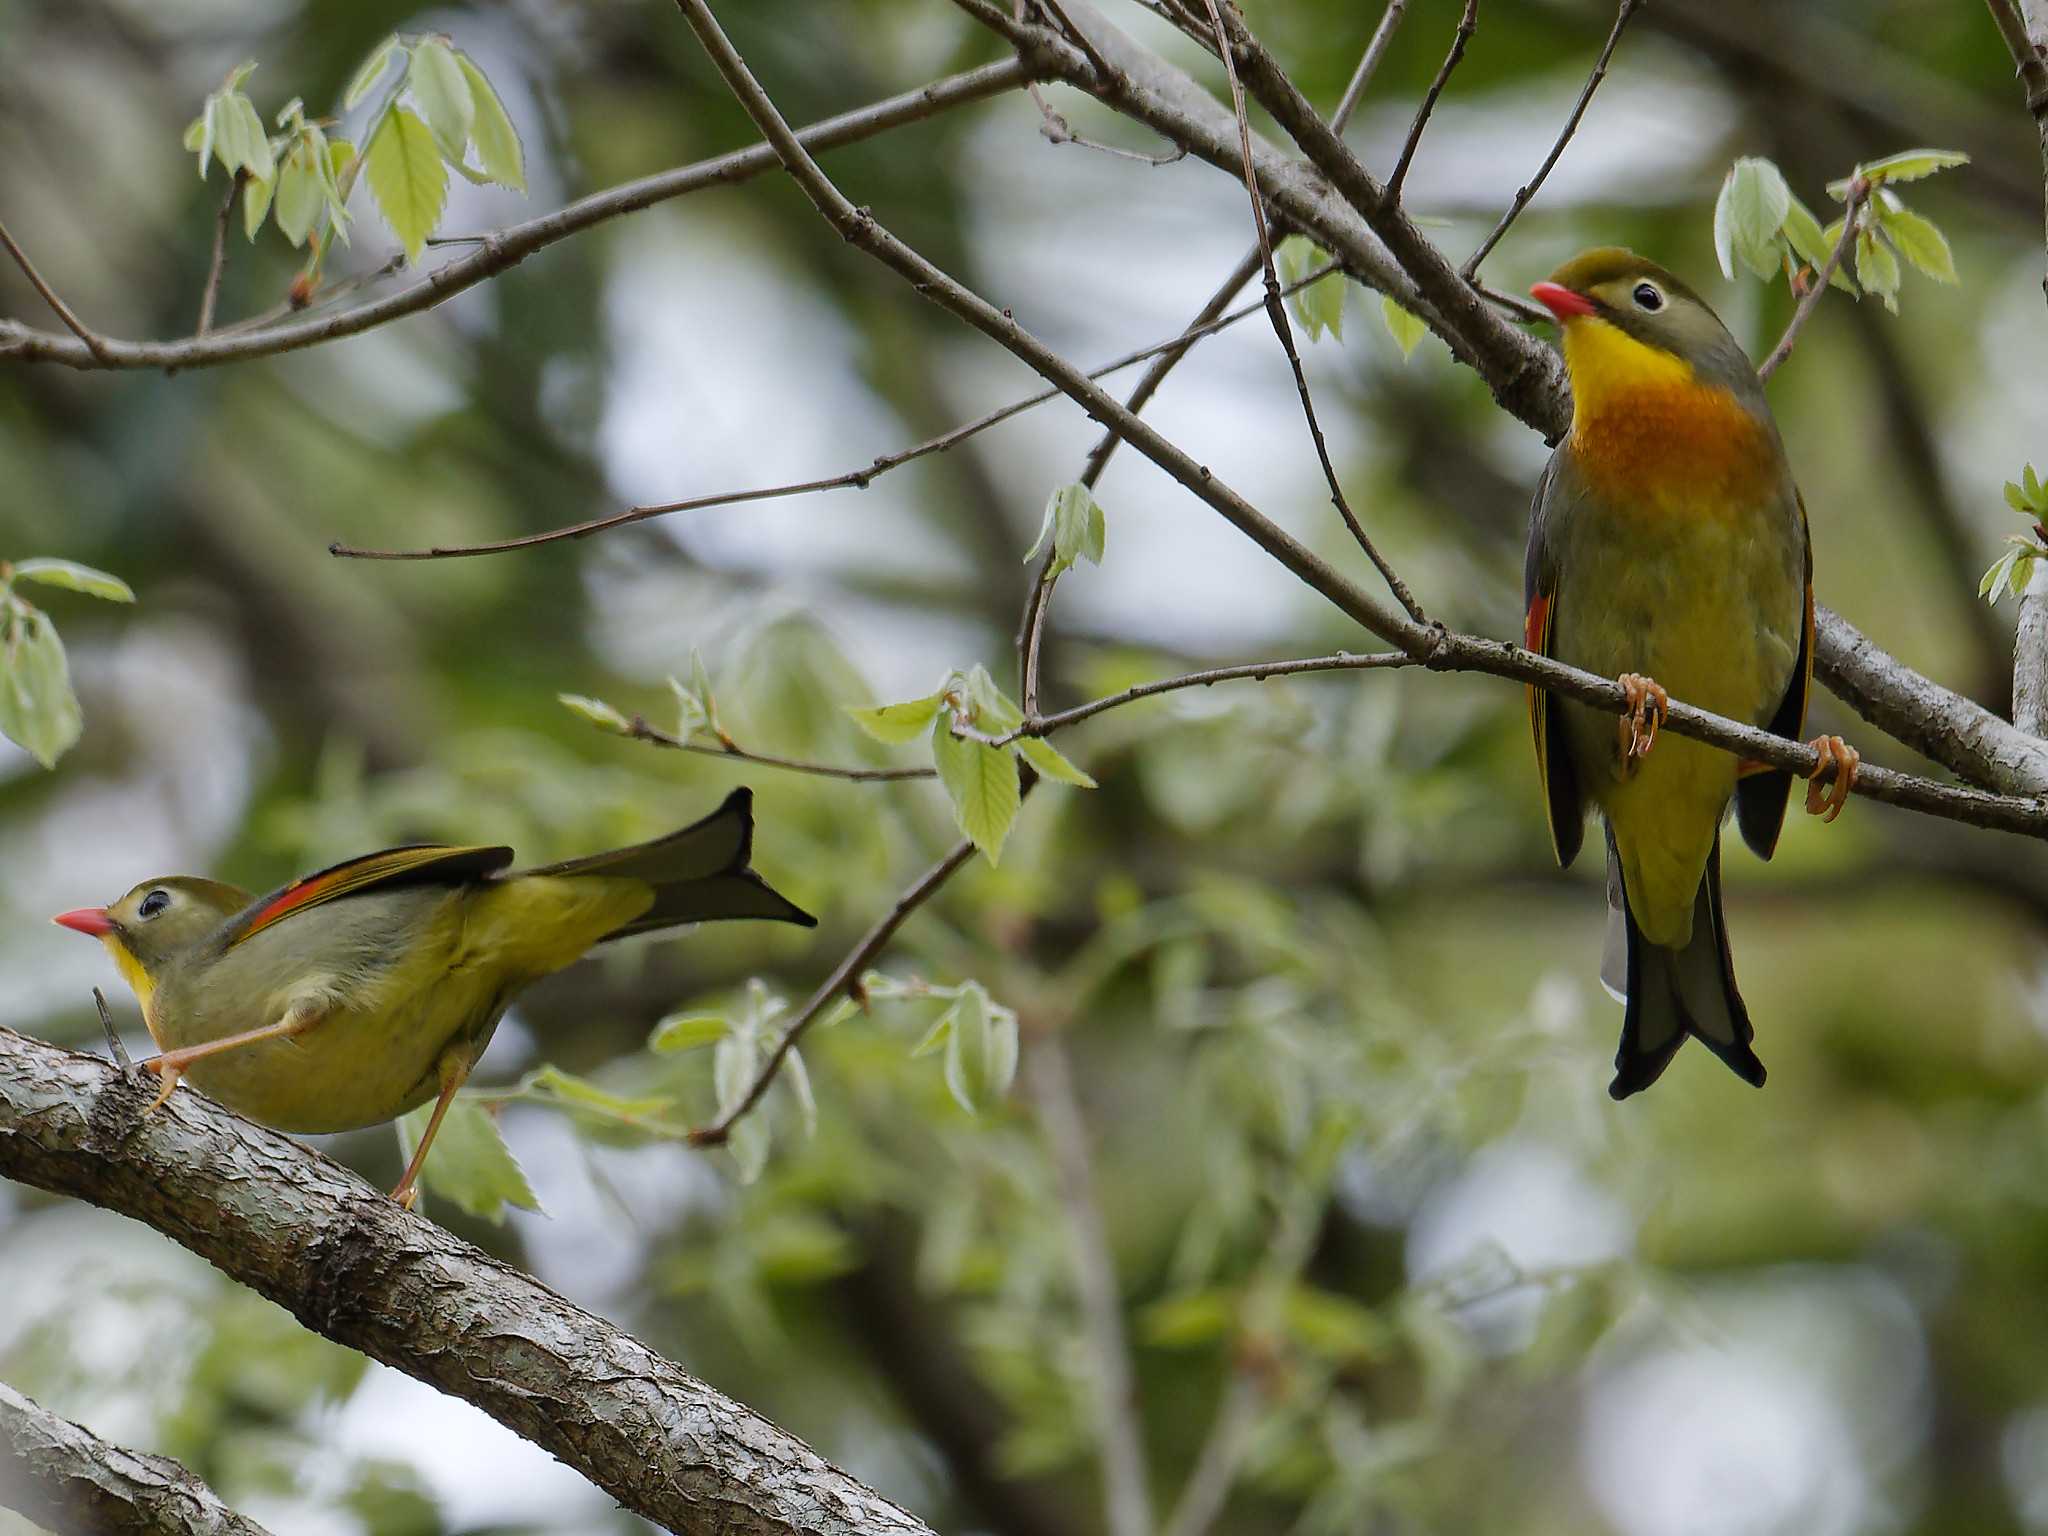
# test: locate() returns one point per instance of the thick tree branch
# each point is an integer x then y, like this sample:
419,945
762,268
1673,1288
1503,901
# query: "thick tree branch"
496,252
66,1478
348,1263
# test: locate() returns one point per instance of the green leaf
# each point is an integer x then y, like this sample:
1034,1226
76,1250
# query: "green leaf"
301,192
407,178
1919,241
1076,527
735,1059
2016,498
442,91
1047,759
251,138
982,784
195,140
1748,216
365,77
73,577
1841,279
688,1032
1803,232
580,1093
1406,329
1877,269
497,141
1907,165
1319,306
596,711
1990,588
38,709
256,195
1190,1319
798,1076
2031,484
981,1049
748,1144
993,710
895,724
469,1162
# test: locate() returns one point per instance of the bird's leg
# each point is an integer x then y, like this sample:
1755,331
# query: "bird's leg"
1648,704
1828,786
172,1065
455,1065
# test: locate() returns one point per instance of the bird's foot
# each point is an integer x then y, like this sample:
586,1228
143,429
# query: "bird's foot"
1648,704
171,1069
407,1194
1828,786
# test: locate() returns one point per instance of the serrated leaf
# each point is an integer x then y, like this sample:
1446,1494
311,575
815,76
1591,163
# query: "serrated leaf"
497,142
300,193
1407,329
252,139
442,91
2031,484
38,707
1907,165
994,711
1049,761
895,724
688,1032
596,711
1076,527
73,577
469,1162
580,1093
981,1049
1877,269
1920,242
365,78
407,178
1748,215
982,783
256,194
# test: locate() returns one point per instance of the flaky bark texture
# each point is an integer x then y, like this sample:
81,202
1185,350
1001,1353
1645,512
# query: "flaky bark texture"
350,1264
63,1476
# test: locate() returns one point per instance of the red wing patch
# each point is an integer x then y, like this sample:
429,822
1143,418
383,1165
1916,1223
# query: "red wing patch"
427,863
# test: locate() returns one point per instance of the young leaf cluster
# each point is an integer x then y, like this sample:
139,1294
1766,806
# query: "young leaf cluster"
2014,570
740,1042
978,1035
1320,306
38,707
972,725
1760,224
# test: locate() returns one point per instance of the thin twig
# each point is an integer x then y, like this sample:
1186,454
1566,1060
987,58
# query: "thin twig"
211,292
502,250
1276,311
1257,671
843,980
1859,189
1571,126
94,343
1126,1493
115,1048
1219,1460
1468,23
853,479
640,730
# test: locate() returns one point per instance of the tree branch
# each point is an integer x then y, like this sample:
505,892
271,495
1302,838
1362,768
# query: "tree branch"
496,252
218,264
1468,23
96,346
1571,126
1859,191
350,1264
1126,1487
63,1476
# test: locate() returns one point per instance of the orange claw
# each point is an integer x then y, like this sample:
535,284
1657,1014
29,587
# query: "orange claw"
1648,704
170,1072
1828,786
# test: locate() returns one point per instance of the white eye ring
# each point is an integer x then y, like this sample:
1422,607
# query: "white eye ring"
1648,296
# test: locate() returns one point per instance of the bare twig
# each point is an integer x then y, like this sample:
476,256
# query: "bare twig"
1571,126
1126,1491
1277,313
94,343
1257,671
65,1477
853,479
114,1046
844,980
640,730
1859,190
499,251
211,292
1468,23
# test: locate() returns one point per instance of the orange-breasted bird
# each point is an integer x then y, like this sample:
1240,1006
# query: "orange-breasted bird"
356,994
1668,548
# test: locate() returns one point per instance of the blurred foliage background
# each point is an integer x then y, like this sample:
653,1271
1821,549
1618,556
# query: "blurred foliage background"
1329,1013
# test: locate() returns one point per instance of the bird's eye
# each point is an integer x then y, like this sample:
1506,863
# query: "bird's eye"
152,904
1647,297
